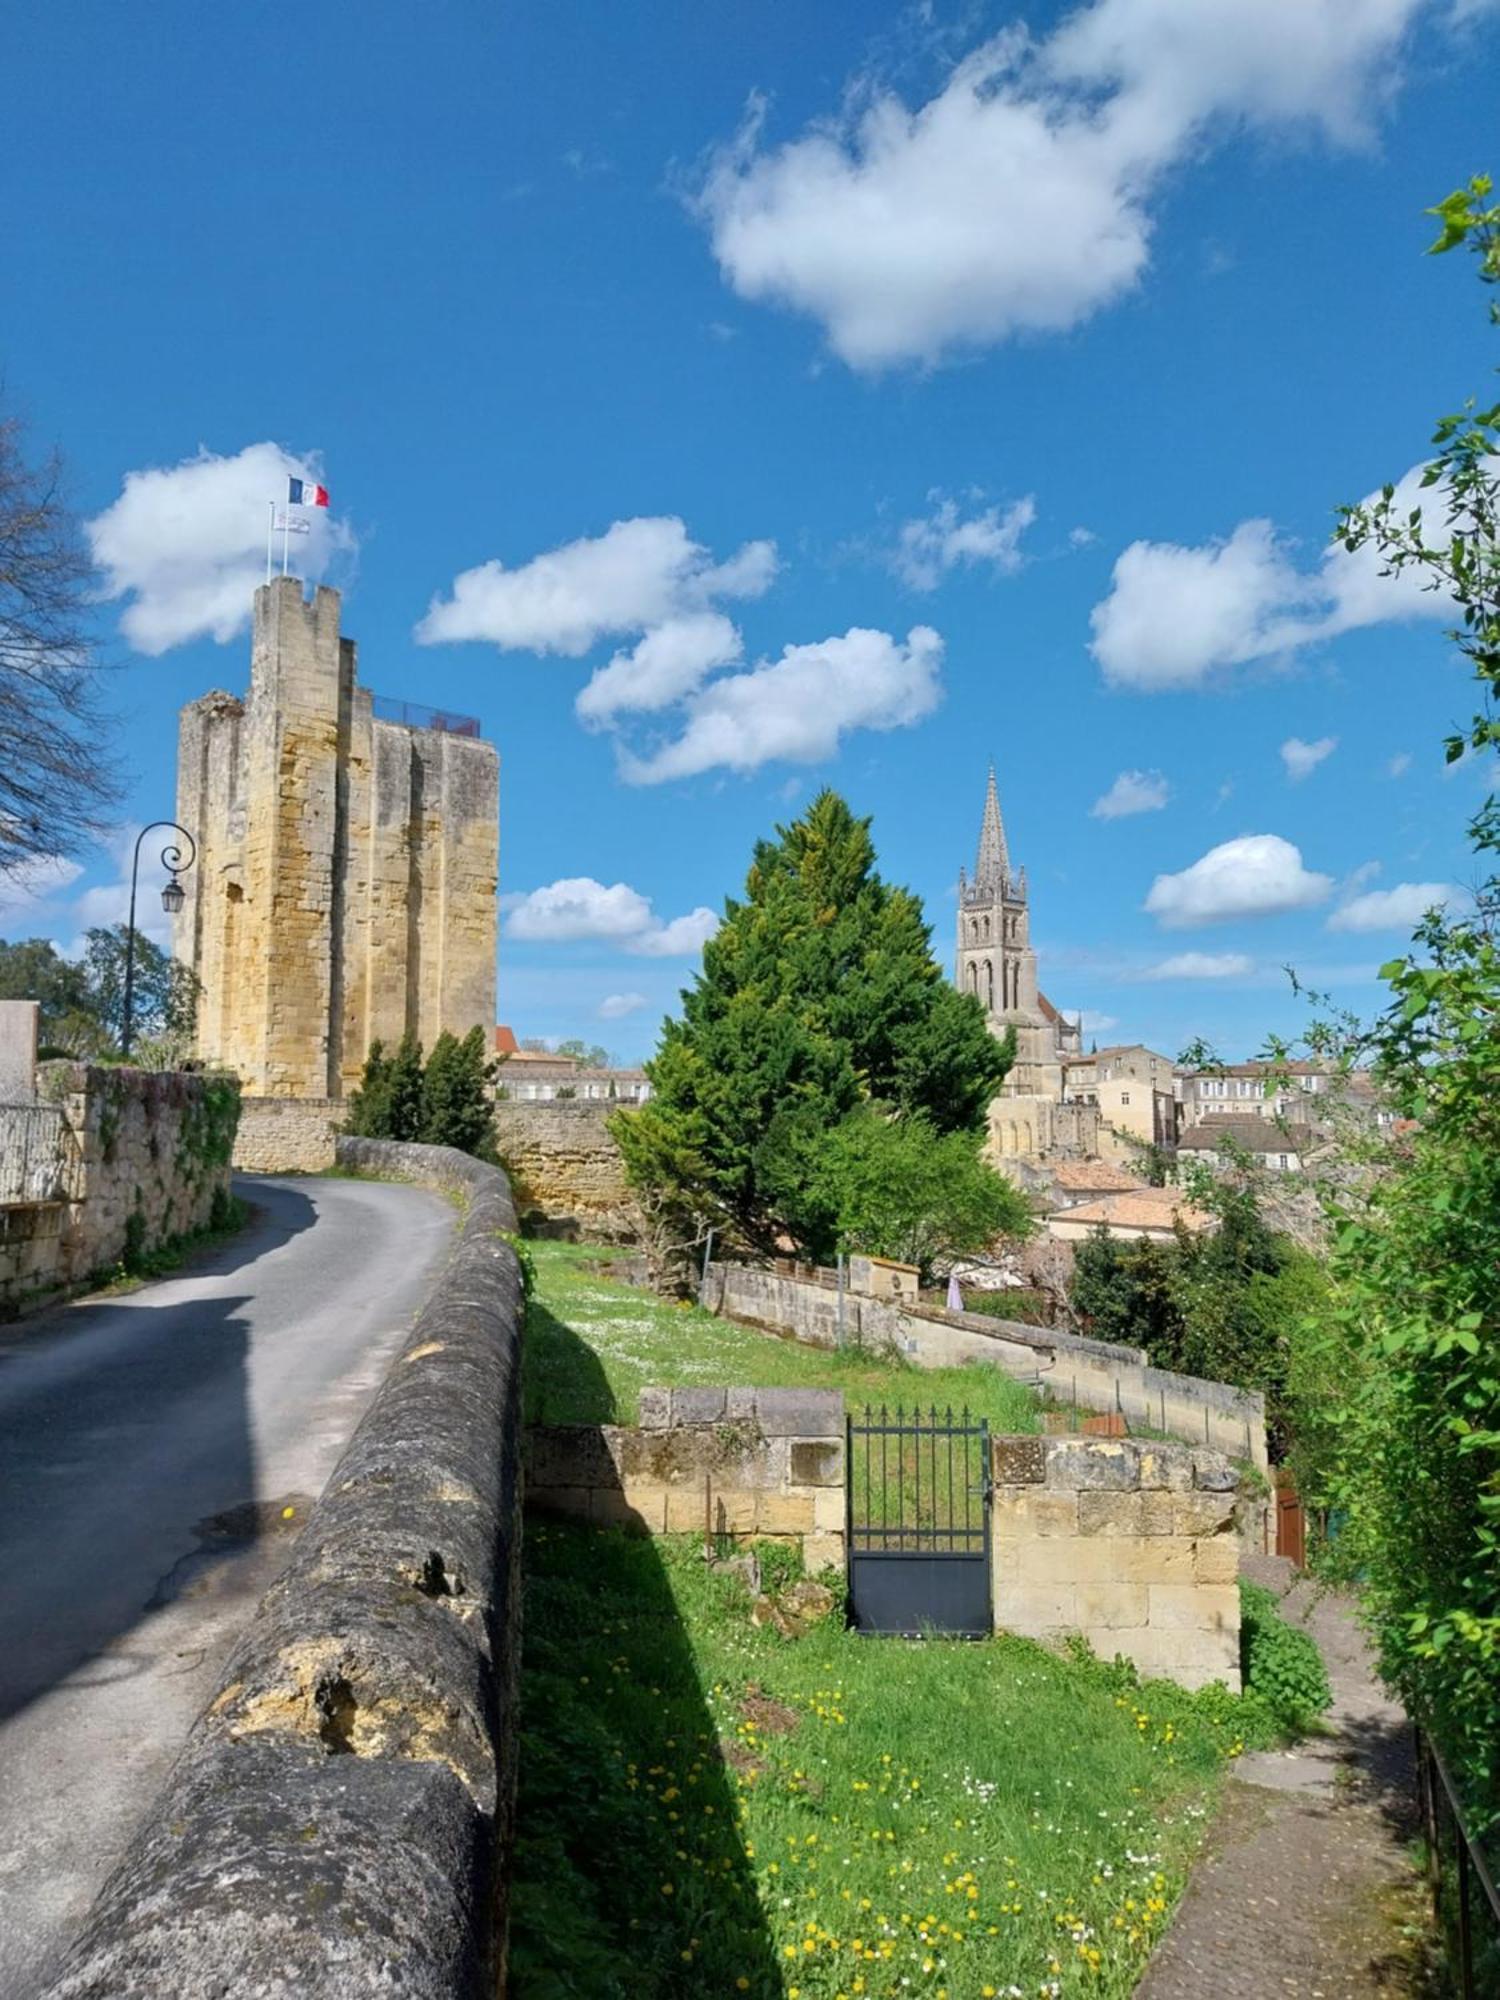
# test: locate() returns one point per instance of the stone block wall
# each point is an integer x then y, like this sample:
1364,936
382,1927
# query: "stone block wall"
1131,1544
744,1463
142,1156
1089,1374
287,1135
565,1168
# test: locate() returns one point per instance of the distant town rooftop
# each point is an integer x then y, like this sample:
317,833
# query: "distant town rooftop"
415,716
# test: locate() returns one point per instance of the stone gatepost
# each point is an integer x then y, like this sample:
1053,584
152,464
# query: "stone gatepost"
1130,1543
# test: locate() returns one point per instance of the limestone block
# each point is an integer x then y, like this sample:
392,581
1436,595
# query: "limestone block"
801,1413
654,1408
1203,1513
1138,1559
1025,1512
697,1406
1157,1514
1209,1607
739,1406
1110,1514
1166,1467
829,1510
1018,1461
785,1514
645,1498
1100,1464
1106,1607
817,1462
735,1513
1216,1559
569,1455
685,1513
822,1551
1212,1472
1038,1610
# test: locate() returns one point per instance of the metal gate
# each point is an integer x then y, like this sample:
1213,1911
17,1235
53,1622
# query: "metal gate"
919,1522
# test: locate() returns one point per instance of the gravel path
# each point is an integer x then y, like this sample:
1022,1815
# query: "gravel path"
1305,1888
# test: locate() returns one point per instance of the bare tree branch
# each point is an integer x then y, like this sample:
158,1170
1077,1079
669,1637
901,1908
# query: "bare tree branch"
56,780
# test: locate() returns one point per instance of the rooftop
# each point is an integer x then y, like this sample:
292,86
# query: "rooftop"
1141,1208
1251,1135
1097,1176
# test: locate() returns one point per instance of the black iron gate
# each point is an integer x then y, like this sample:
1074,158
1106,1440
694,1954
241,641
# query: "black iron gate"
919,1522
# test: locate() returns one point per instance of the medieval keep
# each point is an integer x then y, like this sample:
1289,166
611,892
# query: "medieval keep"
996,963
347,861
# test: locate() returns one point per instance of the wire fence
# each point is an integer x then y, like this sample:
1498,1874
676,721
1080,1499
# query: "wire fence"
415,716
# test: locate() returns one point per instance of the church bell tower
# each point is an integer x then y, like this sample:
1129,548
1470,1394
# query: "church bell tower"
996,962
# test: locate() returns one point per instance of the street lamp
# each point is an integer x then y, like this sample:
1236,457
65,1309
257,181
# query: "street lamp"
172,899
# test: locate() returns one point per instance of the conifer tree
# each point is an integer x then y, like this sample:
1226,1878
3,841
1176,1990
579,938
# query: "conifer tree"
818,995
457,1106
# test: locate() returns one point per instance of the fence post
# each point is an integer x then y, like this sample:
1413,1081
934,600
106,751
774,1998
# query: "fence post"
708,1251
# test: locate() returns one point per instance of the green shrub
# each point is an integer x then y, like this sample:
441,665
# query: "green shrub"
1281,1666
1017,1303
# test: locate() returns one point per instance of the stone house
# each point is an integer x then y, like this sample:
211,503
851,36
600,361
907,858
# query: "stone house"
1133,1089
1278,1148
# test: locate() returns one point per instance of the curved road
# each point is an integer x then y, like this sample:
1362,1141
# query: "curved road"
149,1449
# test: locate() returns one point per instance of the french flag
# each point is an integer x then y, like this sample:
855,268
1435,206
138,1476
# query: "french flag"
303,493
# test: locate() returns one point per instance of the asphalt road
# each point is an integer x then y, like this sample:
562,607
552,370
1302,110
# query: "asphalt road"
149,1447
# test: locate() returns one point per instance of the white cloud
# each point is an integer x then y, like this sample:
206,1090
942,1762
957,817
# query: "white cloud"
1177,616
35,884
1203,965
1081,538
1019,198
1398,908
579,907
1302,759
1399,765
930,546
615,1006
1096,1024
1132,792
1258,875
639,574
797,708
668,663
186,544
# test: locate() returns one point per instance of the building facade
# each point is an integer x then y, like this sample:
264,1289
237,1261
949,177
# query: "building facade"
347,861
995,962
1134,1091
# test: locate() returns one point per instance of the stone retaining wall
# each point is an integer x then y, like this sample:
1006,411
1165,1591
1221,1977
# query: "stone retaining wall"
761,1463
1131,1544
565,1168
287,1135
142,1158
339,1822
1094,1375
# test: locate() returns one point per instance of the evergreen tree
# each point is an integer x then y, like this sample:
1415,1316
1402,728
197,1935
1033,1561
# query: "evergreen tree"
404,1085
457,1106
369,1113
818,993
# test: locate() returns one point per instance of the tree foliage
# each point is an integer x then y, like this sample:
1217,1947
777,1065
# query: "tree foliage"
446,1101
55,777
1401,1399
817,995
82,1000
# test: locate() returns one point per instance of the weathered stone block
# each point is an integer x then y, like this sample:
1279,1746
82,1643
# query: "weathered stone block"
1212,1473
697,1406
1166,1467
734,1513
655,1408
1100,1464
739,1406
1110,1514
687,1511
801,1413
1036,1611
1157,1514
822,1551
785,1514
569,1455
1205,1607
1107,1607
1032,1512
829,1510
1018,1461
817,1462
1203,1513
610,1508
1216,1559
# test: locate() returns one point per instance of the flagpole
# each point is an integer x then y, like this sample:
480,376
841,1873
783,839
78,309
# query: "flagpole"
270,533
286,535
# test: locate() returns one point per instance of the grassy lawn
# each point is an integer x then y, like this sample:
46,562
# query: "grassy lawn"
592,1344
709,1809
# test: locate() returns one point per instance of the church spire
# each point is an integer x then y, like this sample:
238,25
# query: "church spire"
993,865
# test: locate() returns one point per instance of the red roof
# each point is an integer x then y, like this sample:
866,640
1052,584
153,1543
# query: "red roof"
505,1040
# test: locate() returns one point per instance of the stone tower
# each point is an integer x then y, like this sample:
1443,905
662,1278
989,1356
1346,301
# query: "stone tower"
998,966
344,890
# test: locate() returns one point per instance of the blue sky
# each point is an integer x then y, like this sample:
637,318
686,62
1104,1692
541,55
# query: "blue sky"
871,391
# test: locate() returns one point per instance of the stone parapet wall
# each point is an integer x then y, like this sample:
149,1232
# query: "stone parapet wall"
287,1135
565,1168
143,1157
741,1463
1094,1375
1131,1544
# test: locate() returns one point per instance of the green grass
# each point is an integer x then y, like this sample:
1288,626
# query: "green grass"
709,1809
593,1344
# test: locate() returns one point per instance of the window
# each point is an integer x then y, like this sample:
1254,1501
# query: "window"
1124,1096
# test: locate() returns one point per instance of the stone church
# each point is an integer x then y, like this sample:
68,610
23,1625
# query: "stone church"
996,963
347,857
